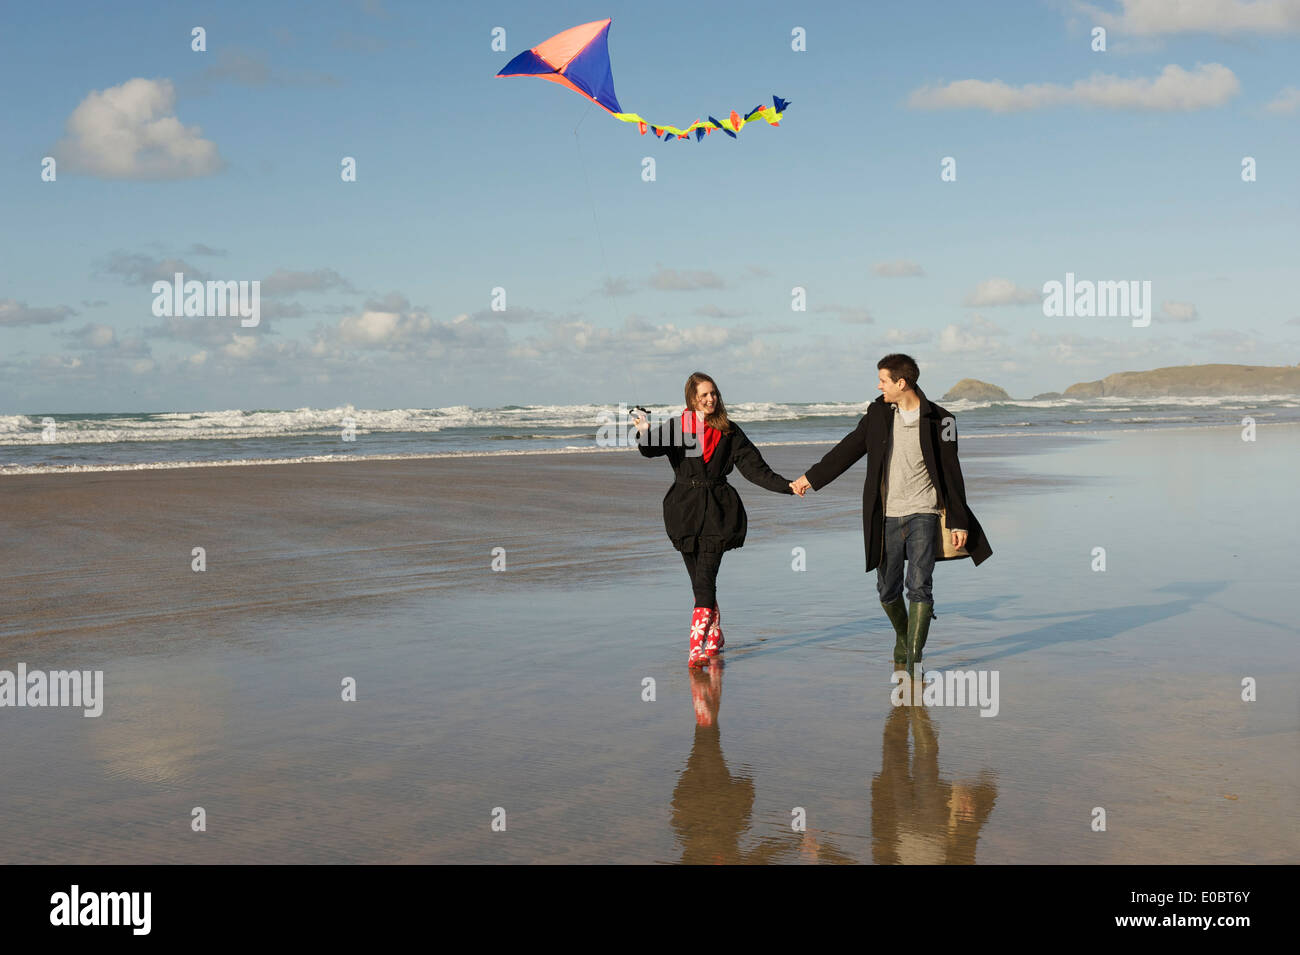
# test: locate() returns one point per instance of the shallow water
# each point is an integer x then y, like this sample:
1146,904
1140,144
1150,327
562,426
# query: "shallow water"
524,690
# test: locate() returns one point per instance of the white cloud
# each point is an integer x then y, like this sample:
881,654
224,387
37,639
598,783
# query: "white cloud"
1287,101
392,324
996,292
597,343
285,282
1155,17
13,312
717,311
1210,84
1105,354
140,269
514,315
686,280
96,336
1178,312
241,347
245,67
849,314
674,339
915,336
615,286
977,335
1229,339
900,268
58,362
131,132
369,328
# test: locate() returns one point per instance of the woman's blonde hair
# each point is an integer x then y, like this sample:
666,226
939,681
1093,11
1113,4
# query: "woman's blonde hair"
719,417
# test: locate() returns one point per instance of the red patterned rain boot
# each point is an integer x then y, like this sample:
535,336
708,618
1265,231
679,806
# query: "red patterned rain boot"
700,619
713,642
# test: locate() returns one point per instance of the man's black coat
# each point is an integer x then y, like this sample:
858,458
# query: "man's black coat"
872,437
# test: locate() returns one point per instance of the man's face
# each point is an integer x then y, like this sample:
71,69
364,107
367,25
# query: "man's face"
892,390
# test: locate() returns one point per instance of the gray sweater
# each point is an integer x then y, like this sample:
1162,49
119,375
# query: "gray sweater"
906,487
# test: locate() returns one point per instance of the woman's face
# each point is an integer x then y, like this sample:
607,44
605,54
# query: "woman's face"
706,398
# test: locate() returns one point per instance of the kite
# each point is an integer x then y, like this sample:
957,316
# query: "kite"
579,59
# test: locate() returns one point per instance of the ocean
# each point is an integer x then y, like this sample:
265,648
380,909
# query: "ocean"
38,442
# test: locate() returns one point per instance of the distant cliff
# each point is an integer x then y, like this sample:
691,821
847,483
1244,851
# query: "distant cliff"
974,390
1190,380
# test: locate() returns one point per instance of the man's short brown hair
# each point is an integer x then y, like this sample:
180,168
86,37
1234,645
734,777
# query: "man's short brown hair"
900,366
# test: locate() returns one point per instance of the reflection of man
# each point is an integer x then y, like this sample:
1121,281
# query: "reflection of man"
711,809
917,818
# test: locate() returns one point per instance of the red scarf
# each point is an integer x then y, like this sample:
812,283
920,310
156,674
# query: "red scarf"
711,434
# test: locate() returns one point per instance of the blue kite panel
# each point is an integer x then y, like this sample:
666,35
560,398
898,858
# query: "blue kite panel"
526,63
589,71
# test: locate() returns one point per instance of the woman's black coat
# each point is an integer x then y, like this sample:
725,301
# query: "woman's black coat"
702,512
872,437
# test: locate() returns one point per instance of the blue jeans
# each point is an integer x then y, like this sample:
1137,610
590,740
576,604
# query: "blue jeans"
913,538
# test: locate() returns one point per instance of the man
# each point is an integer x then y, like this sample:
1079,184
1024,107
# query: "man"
912,474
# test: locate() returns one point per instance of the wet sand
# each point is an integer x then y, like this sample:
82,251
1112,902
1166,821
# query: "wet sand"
522,690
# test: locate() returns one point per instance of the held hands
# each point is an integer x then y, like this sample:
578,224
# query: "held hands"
800,485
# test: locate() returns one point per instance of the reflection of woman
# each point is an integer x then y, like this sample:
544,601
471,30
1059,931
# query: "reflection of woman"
711,808
702,512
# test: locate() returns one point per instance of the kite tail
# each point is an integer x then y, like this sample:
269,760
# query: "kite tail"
731,125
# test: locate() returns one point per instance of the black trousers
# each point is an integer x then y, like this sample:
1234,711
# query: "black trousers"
703,567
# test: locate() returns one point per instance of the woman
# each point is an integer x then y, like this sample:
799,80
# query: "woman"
702,512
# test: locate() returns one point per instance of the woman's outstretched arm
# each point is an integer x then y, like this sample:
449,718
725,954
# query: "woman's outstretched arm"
750,463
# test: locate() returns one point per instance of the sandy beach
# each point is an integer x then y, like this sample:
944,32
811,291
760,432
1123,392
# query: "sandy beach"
520,693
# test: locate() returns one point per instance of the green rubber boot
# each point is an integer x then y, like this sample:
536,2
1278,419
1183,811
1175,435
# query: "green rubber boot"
896,611
918,628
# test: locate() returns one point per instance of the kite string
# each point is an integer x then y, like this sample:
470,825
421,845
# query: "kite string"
604,261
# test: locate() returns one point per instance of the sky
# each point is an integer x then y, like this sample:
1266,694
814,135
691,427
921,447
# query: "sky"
784,263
